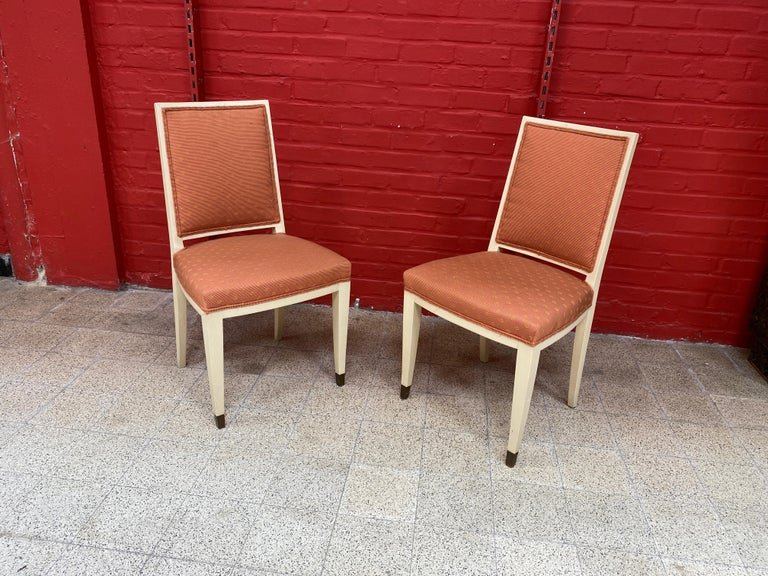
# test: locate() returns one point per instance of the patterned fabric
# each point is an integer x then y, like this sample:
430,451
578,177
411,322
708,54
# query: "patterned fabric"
242,270
506,293
221,168
560,194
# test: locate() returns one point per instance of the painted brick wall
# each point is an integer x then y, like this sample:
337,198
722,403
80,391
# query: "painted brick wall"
395,121
4,248
692,78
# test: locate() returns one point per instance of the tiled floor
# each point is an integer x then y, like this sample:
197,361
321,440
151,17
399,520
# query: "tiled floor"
110,462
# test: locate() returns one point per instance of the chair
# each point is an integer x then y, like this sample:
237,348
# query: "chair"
220,180
540,276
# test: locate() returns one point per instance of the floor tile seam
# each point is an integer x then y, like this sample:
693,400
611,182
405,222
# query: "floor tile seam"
232,566
177,514
341,499
635,495
75,545
716,510
165,527
82,370
412,547
62,389
702,493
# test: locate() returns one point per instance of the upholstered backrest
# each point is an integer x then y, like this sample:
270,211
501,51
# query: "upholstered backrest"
221,167
560,191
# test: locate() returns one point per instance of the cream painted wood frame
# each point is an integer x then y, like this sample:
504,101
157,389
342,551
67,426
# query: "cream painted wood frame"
212,323
527,356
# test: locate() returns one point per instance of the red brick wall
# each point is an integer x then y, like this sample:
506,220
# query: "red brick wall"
4,248
395,121
692,78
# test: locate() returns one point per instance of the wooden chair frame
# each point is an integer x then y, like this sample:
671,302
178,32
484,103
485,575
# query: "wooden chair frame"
212,323
527,360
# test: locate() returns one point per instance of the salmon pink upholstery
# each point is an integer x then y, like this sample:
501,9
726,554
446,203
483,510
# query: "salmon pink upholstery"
243,270
220,161
560,194
509,294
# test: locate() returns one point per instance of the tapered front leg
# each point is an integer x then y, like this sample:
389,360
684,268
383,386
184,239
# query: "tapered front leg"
340,328
213,336
525,374
411,326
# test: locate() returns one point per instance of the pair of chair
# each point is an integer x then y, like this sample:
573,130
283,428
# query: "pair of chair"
537,281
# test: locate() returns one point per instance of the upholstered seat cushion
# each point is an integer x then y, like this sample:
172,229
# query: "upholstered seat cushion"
244,270
506,293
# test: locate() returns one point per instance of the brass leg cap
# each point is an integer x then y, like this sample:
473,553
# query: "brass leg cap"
220,421
404,392
339,379
511,459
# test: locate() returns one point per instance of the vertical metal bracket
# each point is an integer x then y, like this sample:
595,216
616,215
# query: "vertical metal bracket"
194,49
549,57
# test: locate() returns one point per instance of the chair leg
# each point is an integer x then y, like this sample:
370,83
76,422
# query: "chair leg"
340,326
483,349
580,342
525,374
411,326
279,321
213,336
180,321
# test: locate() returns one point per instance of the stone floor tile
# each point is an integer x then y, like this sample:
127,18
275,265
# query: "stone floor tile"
441,552
654,474
28,557
536,463
687,568
743,412
390,445
594,470
234,473
56,508
159,566
288,540
131,519
708,442
686,528
455,502
309,483
530,511
20,401
747,529
600,562
629,400
386,406
456,380
458,413
97,457
382,493
582,428
461,453
277,394
169,464
82,561
609,520
644,435
208,530
369,546
324,437
517,557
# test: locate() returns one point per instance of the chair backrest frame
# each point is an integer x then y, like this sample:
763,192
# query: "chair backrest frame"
177,240
592,277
